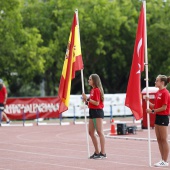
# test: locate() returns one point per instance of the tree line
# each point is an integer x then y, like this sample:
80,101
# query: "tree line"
34,36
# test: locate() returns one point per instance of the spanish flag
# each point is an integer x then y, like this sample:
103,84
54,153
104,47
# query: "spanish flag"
72,63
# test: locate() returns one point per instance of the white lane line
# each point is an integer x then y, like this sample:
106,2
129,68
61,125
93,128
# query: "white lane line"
51,164
130,138
73,167
72,150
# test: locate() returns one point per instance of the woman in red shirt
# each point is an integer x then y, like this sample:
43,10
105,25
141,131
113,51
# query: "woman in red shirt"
3,99
96,115
161,108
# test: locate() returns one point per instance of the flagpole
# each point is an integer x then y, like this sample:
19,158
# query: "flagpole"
147,84
82,82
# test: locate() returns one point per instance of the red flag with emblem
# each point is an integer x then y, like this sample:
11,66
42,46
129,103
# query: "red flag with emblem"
133,94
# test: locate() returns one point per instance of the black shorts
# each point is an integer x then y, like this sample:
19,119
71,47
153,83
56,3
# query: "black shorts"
2,107
162,120
96,113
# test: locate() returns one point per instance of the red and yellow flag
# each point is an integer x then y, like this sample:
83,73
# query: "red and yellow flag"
72,63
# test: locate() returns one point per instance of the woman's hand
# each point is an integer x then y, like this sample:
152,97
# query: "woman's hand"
84,97
148,111
146,98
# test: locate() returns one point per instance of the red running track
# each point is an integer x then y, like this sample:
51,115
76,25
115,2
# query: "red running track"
65,147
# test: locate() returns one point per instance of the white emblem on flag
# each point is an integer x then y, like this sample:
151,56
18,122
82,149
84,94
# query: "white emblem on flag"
138,49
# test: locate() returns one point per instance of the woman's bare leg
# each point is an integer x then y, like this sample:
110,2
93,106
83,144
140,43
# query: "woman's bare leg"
99,126
5,116
93,136
162,138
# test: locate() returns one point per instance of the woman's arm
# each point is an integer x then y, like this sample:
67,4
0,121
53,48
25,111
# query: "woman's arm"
86,99
157,110
96,103
151,105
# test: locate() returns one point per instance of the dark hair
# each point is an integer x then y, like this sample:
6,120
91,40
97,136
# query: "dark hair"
97,83
165,79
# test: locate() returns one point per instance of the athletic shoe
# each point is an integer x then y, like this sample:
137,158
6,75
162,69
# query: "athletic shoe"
95,156
8,122
161,163
166,163
158,162
103,155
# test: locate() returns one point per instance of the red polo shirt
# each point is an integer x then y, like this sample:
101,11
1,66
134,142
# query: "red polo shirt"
3,92
95,95
162,97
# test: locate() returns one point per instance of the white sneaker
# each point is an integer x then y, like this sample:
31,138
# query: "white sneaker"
161,163
166,163
157,163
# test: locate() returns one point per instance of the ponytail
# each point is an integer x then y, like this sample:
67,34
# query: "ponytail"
168,79
165,79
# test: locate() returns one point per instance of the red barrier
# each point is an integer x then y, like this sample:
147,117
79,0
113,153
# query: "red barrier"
47,108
